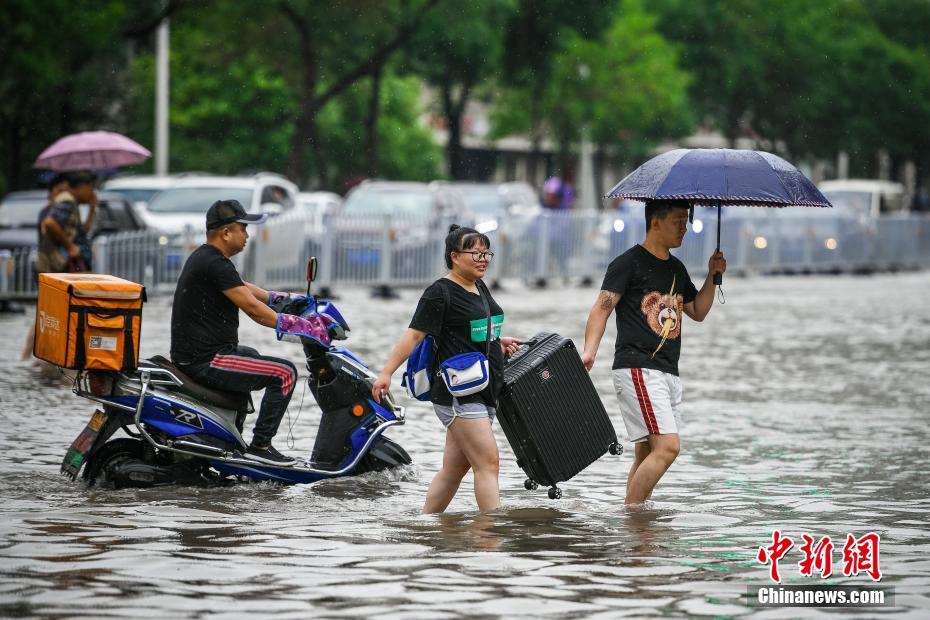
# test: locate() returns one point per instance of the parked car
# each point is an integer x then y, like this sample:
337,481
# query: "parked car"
19,217
317,205
396,198
879,241
864,198
411,211
480,205
319,202
139,189
185,203
521,198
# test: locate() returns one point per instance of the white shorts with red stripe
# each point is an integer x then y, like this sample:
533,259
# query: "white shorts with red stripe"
650,401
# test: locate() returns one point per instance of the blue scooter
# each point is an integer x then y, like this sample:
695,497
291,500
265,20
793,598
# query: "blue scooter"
182,432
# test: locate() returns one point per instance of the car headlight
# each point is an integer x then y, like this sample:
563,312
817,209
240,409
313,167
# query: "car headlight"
618,225
697,226
760,243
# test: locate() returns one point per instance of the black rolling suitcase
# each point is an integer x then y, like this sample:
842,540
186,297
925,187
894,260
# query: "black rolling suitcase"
551,413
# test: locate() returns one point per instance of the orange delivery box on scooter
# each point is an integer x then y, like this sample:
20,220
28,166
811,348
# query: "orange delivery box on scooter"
88,321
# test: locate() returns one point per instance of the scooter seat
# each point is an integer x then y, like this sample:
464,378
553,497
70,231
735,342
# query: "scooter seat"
237,401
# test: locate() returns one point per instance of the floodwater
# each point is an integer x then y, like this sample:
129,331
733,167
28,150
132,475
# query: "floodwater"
806,411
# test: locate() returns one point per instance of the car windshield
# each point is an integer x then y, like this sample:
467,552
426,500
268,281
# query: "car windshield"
136,194
521,196
484,202
196,199
390,202
849,202
20,212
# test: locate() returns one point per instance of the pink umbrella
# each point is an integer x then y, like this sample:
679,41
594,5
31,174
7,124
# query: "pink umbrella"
92,150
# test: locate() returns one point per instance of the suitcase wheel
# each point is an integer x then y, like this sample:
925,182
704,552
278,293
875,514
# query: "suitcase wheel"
615,448
530,485
555,493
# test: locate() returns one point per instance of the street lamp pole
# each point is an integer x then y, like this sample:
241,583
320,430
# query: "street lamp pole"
161,99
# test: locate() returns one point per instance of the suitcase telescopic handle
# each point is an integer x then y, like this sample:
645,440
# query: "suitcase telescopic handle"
536,363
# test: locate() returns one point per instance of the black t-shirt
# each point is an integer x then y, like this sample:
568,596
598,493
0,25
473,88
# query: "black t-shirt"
461,327
652,293
203,319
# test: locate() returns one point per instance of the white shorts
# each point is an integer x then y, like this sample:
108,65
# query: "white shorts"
650,401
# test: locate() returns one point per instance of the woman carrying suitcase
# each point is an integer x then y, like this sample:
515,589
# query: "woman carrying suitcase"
456,311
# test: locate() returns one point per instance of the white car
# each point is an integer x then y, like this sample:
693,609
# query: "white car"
864,198
522,199
139,189
184,205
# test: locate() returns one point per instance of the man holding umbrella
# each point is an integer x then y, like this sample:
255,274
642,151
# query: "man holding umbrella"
650,289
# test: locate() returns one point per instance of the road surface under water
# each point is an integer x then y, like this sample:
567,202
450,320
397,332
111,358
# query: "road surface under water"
806,410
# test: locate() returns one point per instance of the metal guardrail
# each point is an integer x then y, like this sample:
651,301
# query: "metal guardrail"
17,275
362,250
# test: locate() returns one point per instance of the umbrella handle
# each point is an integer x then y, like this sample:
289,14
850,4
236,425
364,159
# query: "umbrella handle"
718,277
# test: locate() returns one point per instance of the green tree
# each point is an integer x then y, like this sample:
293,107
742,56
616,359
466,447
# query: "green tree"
535,34
338,44
234,110
625,86
53,60
229,111
819,76
459,47
408,149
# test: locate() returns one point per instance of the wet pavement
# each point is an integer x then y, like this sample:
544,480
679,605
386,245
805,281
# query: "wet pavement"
806,410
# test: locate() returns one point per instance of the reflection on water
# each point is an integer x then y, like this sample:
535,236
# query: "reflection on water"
805,410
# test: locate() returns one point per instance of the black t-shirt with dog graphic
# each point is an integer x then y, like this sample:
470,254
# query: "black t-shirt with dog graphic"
652,293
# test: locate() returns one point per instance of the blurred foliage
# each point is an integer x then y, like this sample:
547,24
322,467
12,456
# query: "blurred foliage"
625,86
222,121
408,150
821,76
313,88
459,46
53,59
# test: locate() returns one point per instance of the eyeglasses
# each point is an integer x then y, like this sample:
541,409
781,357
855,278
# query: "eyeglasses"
480,256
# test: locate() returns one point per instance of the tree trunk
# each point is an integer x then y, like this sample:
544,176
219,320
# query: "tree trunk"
311,102
454,110
371,123
305,131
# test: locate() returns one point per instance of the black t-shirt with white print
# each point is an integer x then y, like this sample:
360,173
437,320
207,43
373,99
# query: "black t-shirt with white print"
461,327
650,311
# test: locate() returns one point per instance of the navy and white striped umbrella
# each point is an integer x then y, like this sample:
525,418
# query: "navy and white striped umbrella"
720,177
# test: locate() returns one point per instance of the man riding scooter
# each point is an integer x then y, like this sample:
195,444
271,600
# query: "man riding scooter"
205,324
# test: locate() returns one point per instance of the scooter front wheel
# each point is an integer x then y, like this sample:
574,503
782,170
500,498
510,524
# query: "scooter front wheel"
383,455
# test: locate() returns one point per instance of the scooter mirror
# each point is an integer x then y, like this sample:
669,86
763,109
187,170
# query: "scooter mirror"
311,273
311,269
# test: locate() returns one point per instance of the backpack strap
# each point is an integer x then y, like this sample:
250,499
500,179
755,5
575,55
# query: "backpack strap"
487,309
447,301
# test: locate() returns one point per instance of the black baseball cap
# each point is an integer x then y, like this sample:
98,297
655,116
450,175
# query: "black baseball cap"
223,212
